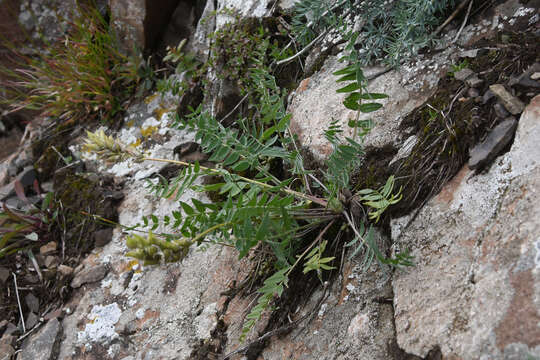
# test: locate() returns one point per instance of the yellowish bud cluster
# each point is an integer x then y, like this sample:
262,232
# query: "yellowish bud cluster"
153,250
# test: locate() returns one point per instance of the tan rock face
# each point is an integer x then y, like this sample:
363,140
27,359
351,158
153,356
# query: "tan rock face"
476,288
316,104
139,23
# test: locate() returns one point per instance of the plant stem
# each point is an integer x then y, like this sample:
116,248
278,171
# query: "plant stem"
299,195
318,239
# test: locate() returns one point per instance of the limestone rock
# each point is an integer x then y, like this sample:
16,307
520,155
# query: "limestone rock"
474,289
139,23
510,102
40,345
495,142
316,103
32,302
463,74
89,275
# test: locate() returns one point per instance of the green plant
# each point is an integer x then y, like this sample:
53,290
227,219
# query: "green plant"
25,230
392,31
257,208
458,67
82,77
185,71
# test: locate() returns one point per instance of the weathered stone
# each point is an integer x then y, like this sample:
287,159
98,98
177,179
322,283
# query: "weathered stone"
39,346
48,19
500,111
48,248
103,237
483,153
6,352
474,81
528,78
472,92
65,270
4,274
200,42
3,325
7,339
11,329
51,261
89,275
463,74
31,320
316,101
287,4
139,23
474,289
32,302
510,102
246,8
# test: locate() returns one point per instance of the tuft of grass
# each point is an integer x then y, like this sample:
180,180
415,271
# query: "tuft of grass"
79,78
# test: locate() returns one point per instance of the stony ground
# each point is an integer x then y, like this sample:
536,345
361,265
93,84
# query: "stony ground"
474,292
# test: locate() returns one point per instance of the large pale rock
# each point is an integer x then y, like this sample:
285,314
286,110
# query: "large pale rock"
140,23
40,345
316,104
475,291
245,8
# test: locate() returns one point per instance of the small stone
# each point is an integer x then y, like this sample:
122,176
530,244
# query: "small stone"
65,270
510,102
40,345
27,176
3,325
31,321
488,95
463,74
535,76
500,111
469,53
496,141
4,274
472,92
474,81
89,275
48,248
527,79
56,314
7,339
11,329
51,261
103,237
32,302
6,352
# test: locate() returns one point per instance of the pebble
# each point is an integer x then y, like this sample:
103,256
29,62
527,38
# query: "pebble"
510,102
89,275
483,153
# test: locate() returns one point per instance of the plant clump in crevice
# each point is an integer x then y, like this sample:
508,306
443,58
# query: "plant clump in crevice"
452,122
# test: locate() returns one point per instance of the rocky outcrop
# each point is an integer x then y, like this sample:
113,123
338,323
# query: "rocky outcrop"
474,290
140,24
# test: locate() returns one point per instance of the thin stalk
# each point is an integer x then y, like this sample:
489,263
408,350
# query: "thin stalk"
318,239
287,190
